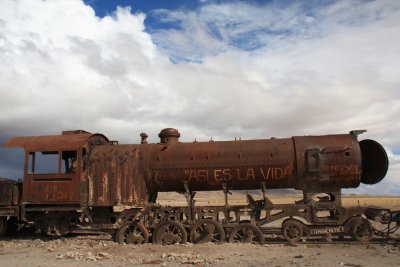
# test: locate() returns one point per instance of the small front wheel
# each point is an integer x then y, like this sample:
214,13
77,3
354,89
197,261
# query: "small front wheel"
292,231
362,230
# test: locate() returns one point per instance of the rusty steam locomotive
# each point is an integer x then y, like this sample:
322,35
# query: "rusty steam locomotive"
79,181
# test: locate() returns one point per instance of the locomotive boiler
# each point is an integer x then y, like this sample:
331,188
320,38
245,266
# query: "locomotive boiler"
78,181
307,163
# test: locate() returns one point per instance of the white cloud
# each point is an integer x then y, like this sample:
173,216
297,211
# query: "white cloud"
243,70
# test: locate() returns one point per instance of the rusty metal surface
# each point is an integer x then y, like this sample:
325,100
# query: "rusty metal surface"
10,194
6,191
67,140
109,175
100,185
58,185
114,177
309,163
241,165
327,163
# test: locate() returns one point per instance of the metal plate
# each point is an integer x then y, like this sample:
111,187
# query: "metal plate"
375,162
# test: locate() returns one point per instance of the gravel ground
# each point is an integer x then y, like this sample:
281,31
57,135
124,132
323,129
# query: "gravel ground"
102,251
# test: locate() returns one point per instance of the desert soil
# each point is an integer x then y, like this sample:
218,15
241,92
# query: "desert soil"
100,250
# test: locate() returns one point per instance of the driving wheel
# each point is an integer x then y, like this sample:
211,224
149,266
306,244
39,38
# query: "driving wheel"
169,232
207,230
246,233
132,233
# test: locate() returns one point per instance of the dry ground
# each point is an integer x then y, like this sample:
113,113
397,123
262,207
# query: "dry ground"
100,250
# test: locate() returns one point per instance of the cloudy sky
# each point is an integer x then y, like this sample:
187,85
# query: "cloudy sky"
220,69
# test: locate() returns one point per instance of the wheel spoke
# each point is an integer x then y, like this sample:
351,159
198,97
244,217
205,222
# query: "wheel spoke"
132,233
207,230
362,230
246,233
169,232
292,230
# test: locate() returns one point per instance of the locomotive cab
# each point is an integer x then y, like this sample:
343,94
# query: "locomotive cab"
53,176
54,166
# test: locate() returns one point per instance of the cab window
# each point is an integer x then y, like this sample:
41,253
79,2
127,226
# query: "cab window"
69,162
47,162
43,162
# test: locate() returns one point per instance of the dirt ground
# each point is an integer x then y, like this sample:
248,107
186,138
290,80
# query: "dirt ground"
100,250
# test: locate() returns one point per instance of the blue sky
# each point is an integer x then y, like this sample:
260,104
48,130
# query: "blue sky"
157,17
220,69
246,34
103,8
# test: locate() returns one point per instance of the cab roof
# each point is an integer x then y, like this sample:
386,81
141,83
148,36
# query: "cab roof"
67,140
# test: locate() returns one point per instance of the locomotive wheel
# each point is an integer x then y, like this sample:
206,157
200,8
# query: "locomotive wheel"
169,233
362,230
292,231
207,230
132,233
3,225
246,233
